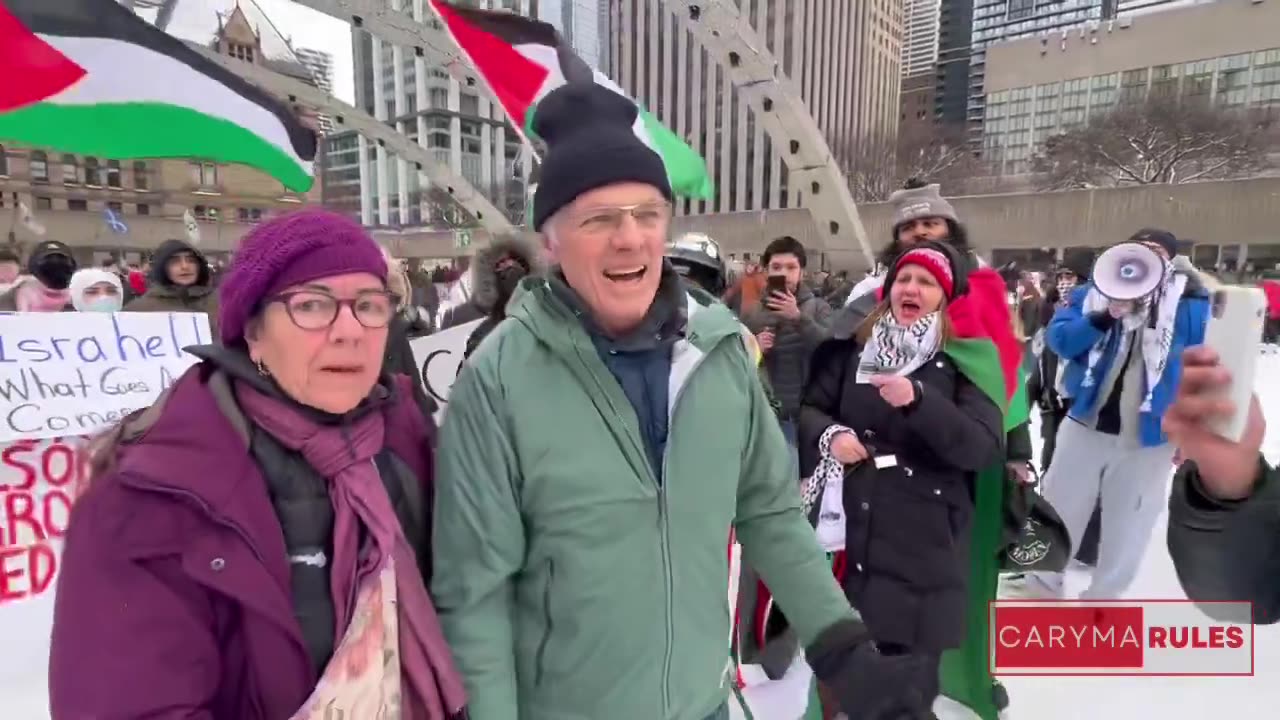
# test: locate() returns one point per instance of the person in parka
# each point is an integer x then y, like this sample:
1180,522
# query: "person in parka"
601,446
180,281
496,270
921,214
1224,512
892,435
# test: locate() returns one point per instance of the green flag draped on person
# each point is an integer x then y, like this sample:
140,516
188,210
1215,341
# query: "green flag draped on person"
989,353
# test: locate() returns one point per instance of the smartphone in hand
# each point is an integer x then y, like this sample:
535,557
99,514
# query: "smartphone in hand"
775,284
1234,331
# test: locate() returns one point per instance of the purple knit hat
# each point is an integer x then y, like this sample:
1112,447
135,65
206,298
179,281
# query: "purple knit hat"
288,250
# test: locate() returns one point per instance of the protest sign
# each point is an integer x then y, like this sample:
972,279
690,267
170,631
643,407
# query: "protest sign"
66,374
439,357
39,481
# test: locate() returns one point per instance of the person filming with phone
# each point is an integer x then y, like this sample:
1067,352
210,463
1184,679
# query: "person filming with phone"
788,325
1224,511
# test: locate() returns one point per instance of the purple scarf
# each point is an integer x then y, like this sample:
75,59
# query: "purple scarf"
432,686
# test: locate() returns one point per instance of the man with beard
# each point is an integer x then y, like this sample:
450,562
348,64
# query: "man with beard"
180,281
495,272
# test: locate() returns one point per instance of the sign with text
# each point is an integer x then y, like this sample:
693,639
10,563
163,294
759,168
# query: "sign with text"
65,374
39,482
439,357
1121,637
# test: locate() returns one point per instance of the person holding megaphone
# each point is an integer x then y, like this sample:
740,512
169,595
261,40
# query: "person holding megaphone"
1121,338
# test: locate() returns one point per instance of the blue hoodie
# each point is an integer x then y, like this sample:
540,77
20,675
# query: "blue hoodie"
1072,334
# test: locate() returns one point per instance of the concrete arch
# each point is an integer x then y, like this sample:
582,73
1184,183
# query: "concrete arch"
759,78
400,28
348,117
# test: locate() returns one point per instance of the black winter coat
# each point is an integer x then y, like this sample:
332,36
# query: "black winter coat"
907,525
1225,550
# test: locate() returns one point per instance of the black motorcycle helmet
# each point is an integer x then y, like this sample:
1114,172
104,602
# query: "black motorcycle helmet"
697,257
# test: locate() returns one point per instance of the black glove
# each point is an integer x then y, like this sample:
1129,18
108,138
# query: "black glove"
870,686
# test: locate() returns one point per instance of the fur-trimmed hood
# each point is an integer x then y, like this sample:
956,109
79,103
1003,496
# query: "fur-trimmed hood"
484,279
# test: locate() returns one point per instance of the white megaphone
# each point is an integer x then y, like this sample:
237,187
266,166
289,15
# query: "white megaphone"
1128,271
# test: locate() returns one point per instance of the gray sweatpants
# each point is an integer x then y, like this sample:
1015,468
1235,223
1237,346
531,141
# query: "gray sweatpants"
1133,485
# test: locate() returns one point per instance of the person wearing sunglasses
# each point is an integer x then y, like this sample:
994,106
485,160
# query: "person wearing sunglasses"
255,544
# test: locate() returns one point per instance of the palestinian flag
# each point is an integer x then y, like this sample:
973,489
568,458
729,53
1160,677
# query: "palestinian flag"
522,60
90,77
984,347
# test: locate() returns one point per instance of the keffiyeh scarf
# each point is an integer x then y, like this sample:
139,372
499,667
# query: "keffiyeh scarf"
895,349
826,485
1156,340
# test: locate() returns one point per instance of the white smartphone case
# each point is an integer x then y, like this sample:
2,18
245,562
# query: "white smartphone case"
1236,319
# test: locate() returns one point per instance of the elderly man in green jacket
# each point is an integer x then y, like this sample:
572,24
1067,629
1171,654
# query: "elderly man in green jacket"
599,447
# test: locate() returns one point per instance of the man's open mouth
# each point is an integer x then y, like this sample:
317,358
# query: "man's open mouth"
625,275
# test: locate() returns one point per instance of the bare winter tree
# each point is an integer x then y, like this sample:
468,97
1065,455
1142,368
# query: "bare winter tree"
1162,140
878,165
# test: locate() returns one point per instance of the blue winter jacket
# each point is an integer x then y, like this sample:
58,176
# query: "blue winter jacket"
1071,335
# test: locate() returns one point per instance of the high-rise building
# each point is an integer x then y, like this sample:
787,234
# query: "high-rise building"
920,32
843,57
319,64
1227,55
583,24
968,27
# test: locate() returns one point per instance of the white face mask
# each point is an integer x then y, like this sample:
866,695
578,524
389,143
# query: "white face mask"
105,303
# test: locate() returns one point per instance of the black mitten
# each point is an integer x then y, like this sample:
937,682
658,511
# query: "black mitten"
870,686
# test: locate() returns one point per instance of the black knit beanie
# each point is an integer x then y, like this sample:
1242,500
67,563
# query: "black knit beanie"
590,143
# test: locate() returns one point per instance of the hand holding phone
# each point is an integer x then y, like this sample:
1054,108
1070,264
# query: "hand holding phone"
1234,332
1228,469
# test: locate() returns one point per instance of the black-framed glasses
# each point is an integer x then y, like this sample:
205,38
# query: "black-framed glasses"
315,310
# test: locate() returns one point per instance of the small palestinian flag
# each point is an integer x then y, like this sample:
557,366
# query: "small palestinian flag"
523,59
984,347
90,77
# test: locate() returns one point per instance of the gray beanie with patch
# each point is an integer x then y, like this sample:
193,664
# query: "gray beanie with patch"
921,202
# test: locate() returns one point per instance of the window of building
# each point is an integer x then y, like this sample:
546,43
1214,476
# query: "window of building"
143,209
205,213
91,175
249,215
4,163
241,52
140,180
38,166
70,170
113,173
77,205
116,207
205,175
44,203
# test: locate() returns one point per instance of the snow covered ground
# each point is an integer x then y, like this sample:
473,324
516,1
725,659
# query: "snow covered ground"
1060,698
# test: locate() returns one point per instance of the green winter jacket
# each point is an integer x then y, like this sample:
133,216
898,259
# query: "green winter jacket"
572,585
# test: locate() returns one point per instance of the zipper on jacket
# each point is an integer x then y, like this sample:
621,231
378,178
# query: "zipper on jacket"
664,524
548,625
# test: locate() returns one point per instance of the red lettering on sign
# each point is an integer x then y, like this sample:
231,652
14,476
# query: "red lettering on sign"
39,481
26,571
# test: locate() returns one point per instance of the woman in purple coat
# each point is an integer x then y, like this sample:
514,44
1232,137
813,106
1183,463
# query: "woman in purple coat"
254,546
